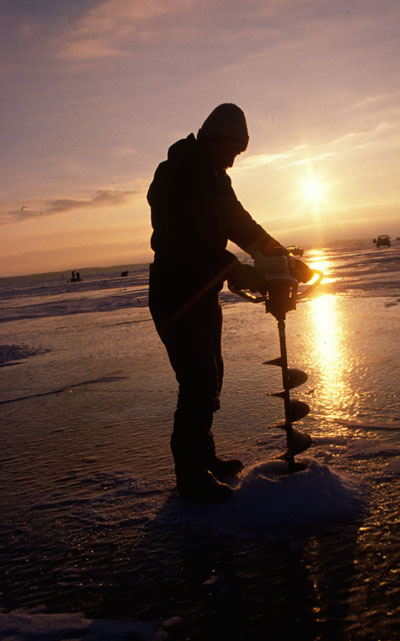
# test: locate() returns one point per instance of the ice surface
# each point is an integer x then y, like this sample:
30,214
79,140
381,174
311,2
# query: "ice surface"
89,509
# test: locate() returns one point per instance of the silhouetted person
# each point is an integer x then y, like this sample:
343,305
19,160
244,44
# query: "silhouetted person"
194,213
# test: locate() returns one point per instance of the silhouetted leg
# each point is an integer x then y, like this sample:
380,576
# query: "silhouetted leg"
195,354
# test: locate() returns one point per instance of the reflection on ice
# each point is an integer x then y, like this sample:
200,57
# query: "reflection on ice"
330,351
317,259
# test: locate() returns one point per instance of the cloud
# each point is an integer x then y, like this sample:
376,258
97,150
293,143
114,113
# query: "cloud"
381,135
79,49
298,155
102,198
309,159
260,160
106,29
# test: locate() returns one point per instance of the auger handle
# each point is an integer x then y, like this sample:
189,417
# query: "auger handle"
246,295
307,291
275,279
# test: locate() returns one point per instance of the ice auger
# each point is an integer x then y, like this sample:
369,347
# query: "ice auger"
280,297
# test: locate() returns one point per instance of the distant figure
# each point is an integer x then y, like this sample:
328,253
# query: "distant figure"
383,241
194,213
124,273
294,250
75,277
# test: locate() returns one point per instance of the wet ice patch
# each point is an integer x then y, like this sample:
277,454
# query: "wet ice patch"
68,388
108,500
367,425
371,448
392,468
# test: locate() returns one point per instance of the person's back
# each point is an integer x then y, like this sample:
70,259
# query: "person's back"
185,232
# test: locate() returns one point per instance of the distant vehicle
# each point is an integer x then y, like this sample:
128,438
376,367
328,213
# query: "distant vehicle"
295,251
382,241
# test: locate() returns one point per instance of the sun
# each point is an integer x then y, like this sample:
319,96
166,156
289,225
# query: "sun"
313,190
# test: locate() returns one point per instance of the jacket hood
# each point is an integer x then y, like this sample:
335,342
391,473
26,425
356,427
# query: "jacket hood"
183,149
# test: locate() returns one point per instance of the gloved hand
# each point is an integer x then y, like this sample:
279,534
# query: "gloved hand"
300,271
245,277
266,265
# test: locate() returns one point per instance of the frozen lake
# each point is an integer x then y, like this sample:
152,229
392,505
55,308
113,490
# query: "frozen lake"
95,543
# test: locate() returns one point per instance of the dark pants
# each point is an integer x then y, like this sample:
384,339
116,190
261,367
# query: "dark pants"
190,329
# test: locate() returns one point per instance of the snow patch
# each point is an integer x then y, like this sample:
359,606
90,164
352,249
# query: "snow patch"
36,625
10,353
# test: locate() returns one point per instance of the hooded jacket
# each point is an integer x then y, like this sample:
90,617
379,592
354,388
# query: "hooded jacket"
194,213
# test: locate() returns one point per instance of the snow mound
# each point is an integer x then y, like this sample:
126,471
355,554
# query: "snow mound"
268,496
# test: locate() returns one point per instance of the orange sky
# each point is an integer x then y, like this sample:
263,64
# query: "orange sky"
94,92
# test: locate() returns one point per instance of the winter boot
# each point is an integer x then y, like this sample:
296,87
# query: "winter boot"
202,486
224,469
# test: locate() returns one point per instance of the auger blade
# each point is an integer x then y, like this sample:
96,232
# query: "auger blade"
297,410
296,377
277,426
299,442
277,394
274,361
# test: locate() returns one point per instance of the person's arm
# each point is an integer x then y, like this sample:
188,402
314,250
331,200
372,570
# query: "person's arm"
243,230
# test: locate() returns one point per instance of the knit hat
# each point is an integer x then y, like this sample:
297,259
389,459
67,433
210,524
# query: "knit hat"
228,122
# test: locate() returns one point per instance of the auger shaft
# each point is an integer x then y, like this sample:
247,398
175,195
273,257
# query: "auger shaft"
282,299
280,296
286,392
